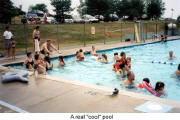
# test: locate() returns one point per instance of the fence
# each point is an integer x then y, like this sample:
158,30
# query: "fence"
68,35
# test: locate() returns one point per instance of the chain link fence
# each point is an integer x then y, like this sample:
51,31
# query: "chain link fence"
70,35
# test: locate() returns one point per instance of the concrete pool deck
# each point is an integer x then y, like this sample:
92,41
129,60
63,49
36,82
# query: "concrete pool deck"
46,94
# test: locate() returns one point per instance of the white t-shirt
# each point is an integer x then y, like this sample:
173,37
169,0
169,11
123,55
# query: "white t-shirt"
8,35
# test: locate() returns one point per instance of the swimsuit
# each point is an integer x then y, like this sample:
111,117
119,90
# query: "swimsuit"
29,63
81,58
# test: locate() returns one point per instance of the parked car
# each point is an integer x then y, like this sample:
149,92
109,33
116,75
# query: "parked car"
29,17
90,19
51,20
113,17
69,21
100,17
37,12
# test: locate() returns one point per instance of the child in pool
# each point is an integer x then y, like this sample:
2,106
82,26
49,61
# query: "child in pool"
145,81
61,61
128,64
81,54
159,89
93,51
116,57
77,57
40,69
103,59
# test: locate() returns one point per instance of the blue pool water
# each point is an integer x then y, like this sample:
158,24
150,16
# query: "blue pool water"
93,72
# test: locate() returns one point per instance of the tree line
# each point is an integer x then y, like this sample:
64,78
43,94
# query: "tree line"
141,9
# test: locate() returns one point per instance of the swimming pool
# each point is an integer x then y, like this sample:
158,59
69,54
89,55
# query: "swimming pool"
93,72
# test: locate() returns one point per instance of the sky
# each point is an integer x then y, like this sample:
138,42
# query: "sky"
169,4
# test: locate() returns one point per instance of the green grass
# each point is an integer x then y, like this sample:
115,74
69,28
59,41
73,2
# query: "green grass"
73,34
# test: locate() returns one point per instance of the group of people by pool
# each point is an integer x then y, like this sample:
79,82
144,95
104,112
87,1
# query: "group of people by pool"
122,66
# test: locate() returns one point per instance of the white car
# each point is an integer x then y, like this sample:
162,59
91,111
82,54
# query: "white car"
51,20
69,21
90,19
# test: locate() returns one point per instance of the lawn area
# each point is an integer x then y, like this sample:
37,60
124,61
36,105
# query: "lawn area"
73,34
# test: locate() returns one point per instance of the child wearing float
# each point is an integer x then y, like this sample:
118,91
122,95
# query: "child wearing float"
118,68
116,57
146,82
159,88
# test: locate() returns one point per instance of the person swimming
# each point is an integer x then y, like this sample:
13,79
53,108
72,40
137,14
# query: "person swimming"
130,81
171,55
178,71
61,61
116,57
103,59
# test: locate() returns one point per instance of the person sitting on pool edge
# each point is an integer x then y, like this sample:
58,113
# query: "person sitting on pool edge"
47,48
61,61
116,57
103,59
93,51
130,81
29,62
38,60
171,55
40,69
178,71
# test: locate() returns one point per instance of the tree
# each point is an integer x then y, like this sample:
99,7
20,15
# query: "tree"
41,7
8,11
178,21
98,7
129,8
62,8
155,9
82,8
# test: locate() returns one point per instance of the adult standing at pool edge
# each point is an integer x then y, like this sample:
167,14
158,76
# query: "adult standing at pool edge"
8,36
36,38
